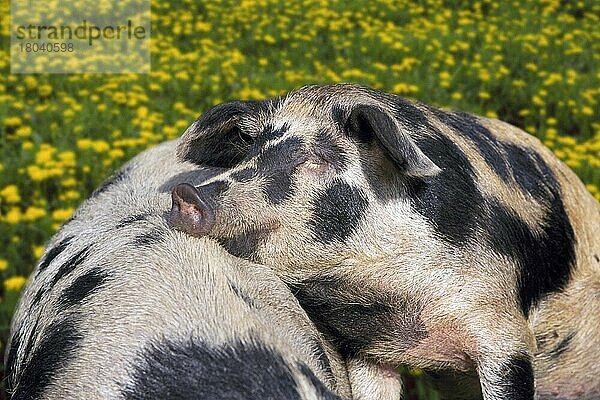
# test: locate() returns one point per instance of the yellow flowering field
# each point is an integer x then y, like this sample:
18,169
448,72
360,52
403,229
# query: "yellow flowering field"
535,64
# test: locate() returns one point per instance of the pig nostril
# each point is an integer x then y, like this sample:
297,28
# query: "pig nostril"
187,193
189,213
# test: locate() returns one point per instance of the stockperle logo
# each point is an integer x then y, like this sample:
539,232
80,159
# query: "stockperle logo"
100,36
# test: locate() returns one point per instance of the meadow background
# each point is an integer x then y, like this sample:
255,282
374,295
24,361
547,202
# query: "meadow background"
535,64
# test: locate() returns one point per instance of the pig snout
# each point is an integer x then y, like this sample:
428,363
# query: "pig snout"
191,212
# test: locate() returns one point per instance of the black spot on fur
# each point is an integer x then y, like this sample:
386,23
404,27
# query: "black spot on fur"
149,238
54,252
278,187
532,174
330,152
338,211
69,266
458,210
338,115
243,246
490,148
411,117
196,370
276,163
562,346
116,178
516,380
211,192
244,175
132,219
60,340
545,258
221,142
38,297
281,156
354,319
242,295
450,200
84,286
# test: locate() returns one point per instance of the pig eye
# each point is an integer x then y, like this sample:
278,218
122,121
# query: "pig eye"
244,137
315,166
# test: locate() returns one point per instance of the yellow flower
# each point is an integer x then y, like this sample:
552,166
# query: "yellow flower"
44,155
524,112
69,182
13,216
38,251
116,153
3,264
67,158
23,131
62,214
170,131
30,81
12,122
45,90
531,66
84,144
11,194
537,100
119,98
38,174
484,75
587,111
14,283
33,213
28,145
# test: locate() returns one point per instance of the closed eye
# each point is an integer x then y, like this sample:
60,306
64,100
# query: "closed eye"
246,138
315,165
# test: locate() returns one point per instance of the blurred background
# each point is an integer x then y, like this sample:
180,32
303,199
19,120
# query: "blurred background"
534,64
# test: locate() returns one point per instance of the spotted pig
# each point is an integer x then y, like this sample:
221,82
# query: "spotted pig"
123,307
412,235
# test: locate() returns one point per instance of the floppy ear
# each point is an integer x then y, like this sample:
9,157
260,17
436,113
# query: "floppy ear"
368,122
216,139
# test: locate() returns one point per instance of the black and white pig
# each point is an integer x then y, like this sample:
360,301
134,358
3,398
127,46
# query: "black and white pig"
437,239
123,307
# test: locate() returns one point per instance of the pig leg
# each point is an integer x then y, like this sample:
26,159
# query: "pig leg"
370,381
503,356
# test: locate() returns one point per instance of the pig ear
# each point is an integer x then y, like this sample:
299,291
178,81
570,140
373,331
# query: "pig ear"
368,123
216,139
